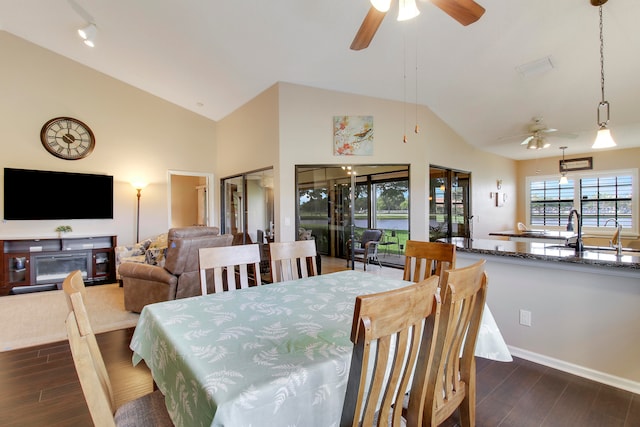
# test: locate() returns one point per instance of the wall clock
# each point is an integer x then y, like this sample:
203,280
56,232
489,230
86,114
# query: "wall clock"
67,138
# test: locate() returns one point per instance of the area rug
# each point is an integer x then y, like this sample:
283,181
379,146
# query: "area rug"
38,318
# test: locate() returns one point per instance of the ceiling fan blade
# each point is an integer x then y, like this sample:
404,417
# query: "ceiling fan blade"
527,139
368,29
464,11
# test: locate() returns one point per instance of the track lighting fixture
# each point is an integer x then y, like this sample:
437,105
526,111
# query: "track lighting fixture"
88,34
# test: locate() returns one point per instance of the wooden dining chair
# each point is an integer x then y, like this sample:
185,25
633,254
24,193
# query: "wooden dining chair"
425,259
148,410
71,284
451,382
230,267
392,335
292,260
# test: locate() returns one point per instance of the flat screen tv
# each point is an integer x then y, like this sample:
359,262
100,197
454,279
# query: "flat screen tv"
36,194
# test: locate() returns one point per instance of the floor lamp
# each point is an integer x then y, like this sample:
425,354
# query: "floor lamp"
138,186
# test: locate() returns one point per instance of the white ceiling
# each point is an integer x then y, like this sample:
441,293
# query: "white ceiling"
211,57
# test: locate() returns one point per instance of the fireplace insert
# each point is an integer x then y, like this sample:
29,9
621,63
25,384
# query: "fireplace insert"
54,267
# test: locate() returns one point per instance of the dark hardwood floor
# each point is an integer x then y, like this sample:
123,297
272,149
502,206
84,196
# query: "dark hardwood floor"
39,387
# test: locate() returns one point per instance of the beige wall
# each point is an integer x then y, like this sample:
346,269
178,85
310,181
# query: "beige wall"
137,136
307,138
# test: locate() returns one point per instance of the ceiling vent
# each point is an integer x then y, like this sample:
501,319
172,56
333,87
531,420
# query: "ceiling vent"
535,68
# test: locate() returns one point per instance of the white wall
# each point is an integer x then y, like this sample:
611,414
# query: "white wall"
584,319
138,136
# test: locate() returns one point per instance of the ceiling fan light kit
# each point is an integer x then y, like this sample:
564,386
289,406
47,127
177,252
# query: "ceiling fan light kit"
407,9
381,5
603,138
538,143
464,11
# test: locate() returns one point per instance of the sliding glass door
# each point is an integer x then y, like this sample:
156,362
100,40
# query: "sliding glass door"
449,204
337,203
247,206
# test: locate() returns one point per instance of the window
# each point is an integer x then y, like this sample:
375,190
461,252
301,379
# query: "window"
599,196
550,202
605,198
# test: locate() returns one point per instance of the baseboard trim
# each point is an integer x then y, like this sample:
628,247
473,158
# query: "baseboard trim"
581,371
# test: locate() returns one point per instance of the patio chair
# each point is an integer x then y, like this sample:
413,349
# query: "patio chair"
366,249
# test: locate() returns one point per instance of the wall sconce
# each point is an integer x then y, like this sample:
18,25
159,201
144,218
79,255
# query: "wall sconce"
499,184
138,185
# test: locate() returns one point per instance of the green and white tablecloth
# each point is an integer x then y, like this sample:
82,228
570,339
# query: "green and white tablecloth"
273,355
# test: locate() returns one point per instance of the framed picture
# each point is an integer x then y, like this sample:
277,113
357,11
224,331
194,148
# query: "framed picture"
583,163
353,135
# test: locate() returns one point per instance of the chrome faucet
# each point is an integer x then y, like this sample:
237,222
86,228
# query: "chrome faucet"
616,236
579,245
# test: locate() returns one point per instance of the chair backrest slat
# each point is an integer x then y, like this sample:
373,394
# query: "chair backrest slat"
228,258
293,260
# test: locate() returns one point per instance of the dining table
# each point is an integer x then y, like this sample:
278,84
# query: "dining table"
271,355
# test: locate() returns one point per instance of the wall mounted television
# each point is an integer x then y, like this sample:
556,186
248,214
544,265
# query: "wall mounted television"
38,195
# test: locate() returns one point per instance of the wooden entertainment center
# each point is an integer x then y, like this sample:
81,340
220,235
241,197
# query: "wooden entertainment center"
39,263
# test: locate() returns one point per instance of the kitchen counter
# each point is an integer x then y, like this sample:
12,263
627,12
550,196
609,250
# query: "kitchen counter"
592,256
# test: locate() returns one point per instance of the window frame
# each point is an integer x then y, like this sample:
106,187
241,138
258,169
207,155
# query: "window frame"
576,177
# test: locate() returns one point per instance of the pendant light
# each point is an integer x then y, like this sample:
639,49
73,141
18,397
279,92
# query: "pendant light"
563,169
603,139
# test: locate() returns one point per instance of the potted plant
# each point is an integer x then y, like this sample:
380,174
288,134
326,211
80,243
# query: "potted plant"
61,229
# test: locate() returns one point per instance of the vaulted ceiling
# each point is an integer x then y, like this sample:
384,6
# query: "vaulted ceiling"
211,57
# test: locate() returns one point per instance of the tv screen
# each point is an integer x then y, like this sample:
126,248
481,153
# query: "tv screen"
36,194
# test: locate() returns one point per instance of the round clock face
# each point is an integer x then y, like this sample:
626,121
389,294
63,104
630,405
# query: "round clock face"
67,138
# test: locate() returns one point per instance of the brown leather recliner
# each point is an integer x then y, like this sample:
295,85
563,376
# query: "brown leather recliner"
179,278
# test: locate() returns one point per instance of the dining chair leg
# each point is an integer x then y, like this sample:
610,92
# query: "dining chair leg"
468,405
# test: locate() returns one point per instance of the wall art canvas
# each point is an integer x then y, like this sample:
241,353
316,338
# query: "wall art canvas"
353,135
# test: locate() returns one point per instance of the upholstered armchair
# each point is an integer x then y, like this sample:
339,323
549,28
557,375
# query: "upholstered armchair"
366,249
149,251
179,277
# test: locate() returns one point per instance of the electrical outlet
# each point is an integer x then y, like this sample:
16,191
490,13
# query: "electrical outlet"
525,317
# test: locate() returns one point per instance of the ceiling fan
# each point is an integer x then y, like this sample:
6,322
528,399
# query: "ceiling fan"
535,139
464,11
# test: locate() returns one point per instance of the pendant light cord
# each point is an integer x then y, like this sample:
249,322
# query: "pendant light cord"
601,56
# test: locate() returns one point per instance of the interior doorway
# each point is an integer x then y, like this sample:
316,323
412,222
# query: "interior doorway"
190,198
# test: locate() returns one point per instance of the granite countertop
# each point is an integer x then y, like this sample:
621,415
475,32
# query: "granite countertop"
595,256
536,234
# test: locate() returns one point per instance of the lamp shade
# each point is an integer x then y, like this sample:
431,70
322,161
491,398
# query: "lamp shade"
407,10
381,5
604,139
563,180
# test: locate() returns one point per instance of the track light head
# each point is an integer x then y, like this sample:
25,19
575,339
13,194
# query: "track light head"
88,34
